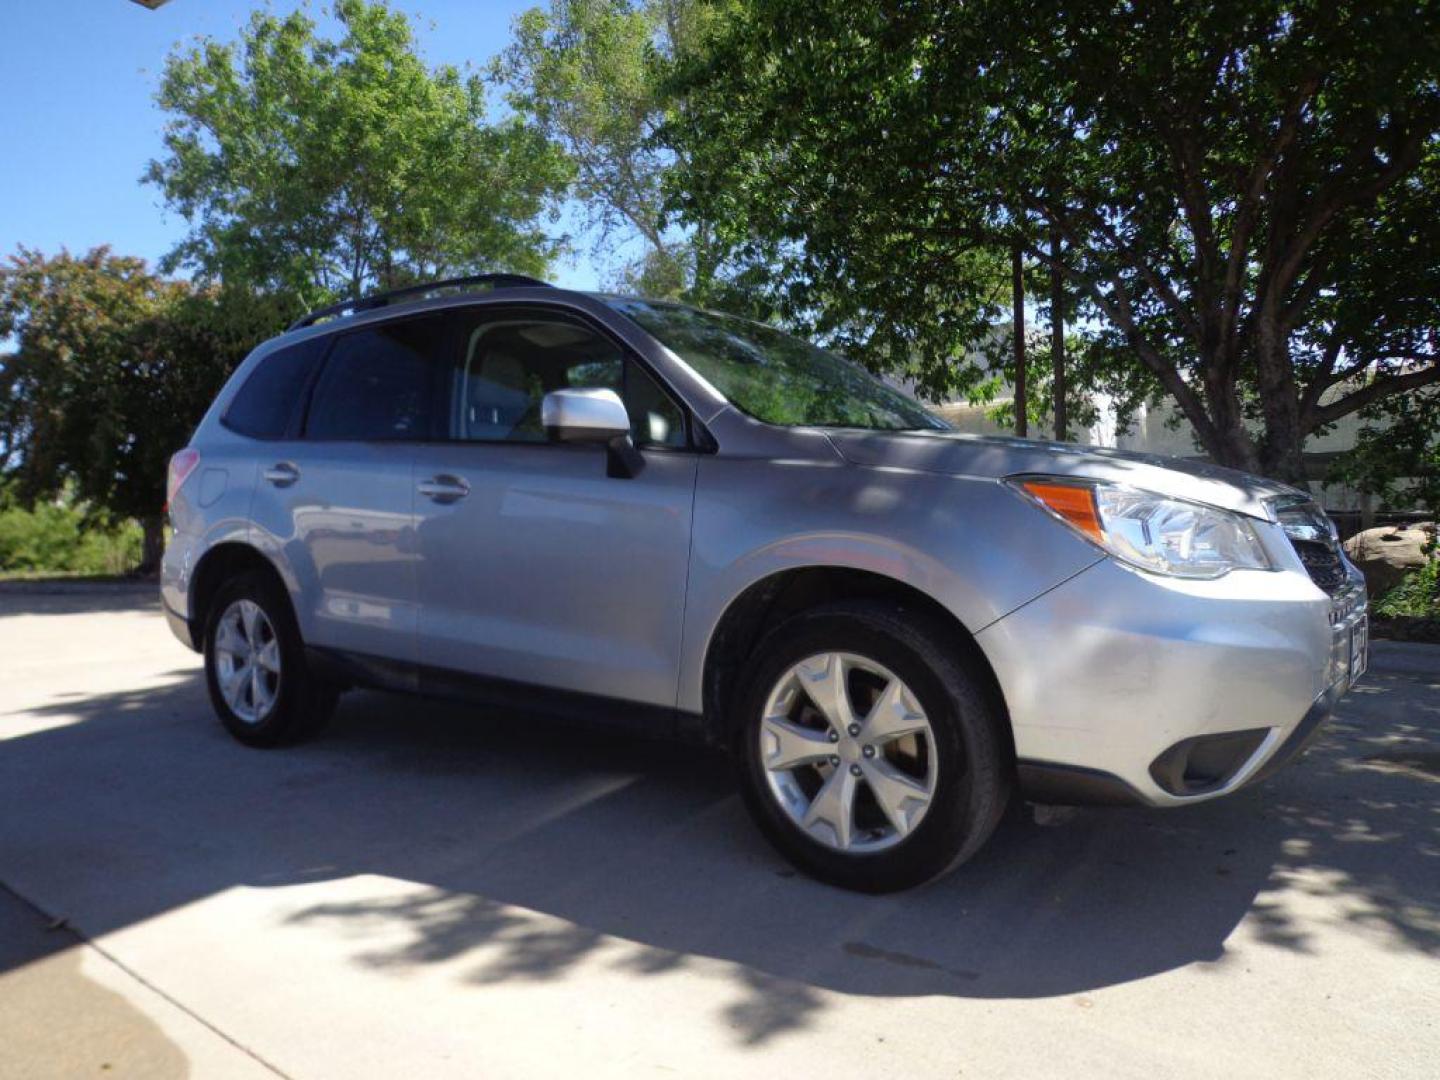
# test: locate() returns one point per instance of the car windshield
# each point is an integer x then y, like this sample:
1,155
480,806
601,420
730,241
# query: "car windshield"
775,377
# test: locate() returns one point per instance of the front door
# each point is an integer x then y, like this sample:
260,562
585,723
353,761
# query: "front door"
535,567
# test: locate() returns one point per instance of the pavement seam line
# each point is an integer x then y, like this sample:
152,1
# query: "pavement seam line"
64,924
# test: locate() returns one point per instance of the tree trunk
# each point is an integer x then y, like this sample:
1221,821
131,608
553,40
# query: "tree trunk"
1057,337
1282,449
1017,268
1279,452
153,544
1282,456
1229,443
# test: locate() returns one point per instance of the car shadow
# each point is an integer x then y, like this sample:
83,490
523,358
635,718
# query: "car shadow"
538,846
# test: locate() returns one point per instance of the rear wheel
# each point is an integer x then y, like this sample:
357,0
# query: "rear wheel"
260,685
870,756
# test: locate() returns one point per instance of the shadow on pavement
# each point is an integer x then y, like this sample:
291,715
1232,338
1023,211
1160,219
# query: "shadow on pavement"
539,846
75,596
58,1021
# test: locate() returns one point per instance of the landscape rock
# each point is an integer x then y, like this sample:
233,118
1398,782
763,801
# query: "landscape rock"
1387,553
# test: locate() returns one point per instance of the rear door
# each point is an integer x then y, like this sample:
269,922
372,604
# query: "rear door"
534,566
337,497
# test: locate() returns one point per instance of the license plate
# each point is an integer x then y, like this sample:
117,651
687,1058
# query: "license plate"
1359,649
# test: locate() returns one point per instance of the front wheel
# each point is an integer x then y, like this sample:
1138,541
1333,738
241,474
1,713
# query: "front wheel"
260,685
870,756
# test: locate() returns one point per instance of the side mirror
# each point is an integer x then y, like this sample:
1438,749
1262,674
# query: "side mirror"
584,415
593,416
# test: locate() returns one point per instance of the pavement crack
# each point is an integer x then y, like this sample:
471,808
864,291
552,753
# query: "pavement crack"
62,924
902,959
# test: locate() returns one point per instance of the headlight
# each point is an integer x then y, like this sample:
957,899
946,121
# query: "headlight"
1152,532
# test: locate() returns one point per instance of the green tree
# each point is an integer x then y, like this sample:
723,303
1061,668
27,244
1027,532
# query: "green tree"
589,74
325,167
1246,190
1397,454
112,368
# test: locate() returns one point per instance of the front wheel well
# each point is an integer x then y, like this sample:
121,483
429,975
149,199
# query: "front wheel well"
768,602
220,564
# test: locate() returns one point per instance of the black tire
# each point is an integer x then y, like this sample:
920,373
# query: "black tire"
304,702
974,770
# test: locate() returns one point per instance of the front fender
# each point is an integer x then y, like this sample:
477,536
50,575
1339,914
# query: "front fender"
967,543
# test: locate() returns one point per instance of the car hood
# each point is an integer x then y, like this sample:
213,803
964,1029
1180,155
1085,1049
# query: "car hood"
995,457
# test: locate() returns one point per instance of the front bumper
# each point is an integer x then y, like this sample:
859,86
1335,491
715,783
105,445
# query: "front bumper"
1124,687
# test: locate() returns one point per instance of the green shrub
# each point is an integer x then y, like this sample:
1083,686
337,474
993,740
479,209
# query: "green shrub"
1418,594
55,539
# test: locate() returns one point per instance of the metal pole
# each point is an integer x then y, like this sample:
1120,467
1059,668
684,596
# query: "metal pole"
1057,336
1017,269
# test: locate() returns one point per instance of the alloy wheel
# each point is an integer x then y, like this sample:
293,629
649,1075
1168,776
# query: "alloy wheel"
848,752
247,661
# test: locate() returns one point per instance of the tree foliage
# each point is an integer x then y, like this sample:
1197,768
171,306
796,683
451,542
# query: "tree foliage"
329,166
1397,454
590,75
112,368
1246,189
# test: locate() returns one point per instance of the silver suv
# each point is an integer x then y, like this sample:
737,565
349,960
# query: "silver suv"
688,524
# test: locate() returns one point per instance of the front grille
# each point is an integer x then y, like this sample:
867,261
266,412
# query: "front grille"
1323,563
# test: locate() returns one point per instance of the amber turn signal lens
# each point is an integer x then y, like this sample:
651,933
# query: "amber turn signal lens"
1073,502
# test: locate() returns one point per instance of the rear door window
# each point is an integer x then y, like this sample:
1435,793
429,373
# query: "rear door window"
377,385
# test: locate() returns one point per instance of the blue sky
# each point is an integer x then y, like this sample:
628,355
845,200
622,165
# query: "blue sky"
78,122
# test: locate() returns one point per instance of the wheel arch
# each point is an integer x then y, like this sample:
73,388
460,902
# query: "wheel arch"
220,564
766,602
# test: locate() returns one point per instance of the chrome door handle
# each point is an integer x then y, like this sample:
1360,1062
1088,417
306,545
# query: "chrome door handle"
444,489
282,474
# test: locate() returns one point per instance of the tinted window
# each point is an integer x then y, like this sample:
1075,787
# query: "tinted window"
263,407
376,384
655,419
775,377
508,365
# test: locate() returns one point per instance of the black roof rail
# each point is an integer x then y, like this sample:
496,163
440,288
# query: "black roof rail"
376,300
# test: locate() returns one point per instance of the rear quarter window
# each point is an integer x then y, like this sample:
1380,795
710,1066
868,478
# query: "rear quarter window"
267,401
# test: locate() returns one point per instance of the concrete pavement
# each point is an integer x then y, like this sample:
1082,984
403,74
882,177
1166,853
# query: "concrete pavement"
67,1009
430,892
